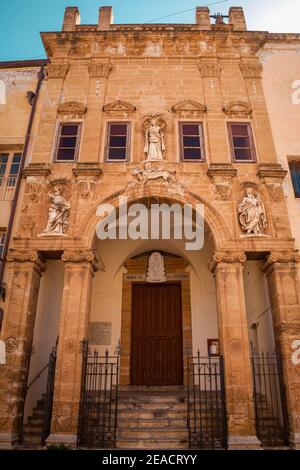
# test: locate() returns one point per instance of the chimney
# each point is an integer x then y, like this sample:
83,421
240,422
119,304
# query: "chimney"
71,19
237,19
203,18
105,18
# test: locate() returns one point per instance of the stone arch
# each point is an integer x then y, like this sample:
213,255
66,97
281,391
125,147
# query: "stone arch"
218,228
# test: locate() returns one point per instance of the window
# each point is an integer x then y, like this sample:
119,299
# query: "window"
295,175
67,143
9,170
117,141
242,143
192,141
2,241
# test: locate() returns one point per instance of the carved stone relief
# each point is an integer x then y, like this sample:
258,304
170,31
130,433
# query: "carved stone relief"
252,213
58,213
156,268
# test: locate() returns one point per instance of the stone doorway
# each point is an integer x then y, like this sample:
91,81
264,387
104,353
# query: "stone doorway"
156,335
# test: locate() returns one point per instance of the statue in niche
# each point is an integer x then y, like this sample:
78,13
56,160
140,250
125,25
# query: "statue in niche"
58,215
154,141
252,213
156,268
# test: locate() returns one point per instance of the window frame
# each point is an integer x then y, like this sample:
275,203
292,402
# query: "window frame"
128,142
7,176
3,230
200,124
251,137
78,140
294,162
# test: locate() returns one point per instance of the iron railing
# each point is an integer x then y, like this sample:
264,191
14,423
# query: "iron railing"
272,426
7,188
206,403
49,397
99,399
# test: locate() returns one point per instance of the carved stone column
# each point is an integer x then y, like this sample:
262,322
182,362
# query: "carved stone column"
284,290
74,320
234,342
25,270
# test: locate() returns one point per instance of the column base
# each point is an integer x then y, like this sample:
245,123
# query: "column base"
66,439
244,443
8,440
295,440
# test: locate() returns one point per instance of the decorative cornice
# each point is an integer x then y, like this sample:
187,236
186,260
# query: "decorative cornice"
189,108
210,70
281,258
251,70
119,107
87,256
221,175
271,170
99,70
87,169
238,109
57,70
15,256
37,169
221,169
72,108
292,328
227,257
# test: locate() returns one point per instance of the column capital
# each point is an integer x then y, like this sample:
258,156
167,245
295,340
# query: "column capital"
277,258
83,256
31,256
227,257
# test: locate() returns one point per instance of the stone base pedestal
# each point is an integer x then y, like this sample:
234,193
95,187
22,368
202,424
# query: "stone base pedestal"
8,440
244,443
66,439
295,440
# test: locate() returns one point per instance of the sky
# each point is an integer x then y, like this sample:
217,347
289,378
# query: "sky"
22,20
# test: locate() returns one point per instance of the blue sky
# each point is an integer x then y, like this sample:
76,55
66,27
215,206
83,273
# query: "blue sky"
22,20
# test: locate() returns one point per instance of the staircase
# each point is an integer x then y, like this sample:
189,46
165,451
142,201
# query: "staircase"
32,430
152,418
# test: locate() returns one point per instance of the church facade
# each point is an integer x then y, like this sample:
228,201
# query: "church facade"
143,115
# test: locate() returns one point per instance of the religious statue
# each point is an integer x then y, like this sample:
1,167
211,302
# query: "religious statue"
252,213
156,268
154,141
58,215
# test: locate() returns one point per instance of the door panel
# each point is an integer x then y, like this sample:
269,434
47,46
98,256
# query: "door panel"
156,342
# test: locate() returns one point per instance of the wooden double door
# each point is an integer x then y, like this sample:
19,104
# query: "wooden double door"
156,338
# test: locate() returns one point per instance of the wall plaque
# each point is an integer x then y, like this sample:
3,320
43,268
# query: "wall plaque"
100,333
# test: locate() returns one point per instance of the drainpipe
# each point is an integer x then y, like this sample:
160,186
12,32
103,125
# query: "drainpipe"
32,98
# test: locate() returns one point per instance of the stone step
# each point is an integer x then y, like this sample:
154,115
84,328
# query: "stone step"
35,419
151,399
151,423
150,433
133,414
152,444
153,406
33,426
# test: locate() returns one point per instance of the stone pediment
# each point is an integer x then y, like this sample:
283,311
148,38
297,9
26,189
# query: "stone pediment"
189,108
119,108
240,109
72,109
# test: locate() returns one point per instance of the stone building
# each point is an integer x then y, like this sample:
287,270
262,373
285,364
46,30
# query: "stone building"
157,113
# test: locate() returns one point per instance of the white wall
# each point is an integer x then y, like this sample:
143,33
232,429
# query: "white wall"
46,329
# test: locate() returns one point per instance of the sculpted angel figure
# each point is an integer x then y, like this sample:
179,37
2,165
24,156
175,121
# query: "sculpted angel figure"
252,213
58,214
154,142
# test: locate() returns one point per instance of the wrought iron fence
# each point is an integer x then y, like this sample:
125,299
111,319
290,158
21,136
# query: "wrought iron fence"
99,399
272,427
49,397
206,403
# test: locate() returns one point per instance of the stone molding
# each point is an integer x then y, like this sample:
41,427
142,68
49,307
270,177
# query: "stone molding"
210,70
227,257
221,175
238,109
281,258
250,70
119,108
272,175
87,169
15,256
99,70
189,109
57,70
37,169
85,256
72,109
291,328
